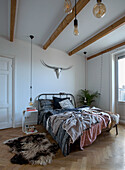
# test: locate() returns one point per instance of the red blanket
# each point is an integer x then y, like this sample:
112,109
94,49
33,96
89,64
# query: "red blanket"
90,135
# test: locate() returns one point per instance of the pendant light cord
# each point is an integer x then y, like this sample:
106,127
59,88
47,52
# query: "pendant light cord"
101,75
31,72
75,9
100,89
85,69
31,37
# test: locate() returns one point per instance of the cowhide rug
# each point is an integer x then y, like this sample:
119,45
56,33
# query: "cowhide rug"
32,149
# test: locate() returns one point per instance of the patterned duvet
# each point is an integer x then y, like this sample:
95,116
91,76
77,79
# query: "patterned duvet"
66,126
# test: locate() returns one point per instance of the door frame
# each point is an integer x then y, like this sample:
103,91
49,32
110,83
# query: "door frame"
116,79
13,86
113,79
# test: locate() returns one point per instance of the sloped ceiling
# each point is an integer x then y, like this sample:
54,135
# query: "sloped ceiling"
41,18
4,18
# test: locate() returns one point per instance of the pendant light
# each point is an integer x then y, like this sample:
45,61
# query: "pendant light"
99,9
85,100
76,32
85,69
67,6
31,103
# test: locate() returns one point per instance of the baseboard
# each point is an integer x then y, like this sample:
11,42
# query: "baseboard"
122,122
18,124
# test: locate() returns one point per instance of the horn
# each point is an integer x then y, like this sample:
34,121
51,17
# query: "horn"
58,71
47,65
67,68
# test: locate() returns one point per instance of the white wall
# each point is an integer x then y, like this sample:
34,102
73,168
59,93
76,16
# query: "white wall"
44,79
94,77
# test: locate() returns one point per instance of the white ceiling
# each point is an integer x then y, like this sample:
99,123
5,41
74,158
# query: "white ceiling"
41,17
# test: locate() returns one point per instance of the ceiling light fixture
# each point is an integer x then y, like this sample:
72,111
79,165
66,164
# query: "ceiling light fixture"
99,9
76,32
31,103
67,6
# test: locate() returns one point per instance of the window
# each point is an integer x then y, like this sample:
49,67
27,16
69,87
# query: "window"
121,78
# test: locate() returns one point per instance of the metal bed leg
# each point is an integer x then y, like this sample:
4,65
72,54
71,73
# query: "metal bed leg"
116,129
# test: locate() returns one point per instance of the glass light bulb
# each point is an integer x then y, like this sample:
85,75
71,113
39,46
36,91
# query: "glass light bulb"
76,32
30,104
67,6
99,10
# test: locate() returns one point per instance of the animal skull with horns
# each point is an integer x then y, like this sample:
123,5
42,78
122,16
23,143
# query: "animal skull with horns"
56,69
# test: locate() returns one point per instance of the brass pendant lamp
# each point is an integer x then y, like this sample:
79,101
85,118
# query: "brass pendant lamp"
99,9
76,31
67,6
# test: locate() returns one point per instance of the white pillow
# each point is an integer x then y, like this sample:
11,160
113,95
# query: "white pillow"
66,104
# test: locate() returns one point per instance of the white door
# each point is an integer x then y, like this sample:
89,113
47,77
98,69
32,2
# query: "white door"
120,85
5,92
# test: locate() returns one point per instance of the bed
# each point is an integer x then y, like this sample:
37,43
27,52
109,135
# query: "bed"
67,124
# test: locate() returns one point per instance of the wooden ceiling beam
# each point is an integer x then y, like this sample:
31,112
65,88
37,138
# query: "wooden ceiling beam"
107,50
98,36
12,19
80,5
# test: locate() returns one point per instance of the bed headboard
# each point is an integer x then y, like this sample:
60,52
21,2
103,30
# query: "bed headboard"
61,95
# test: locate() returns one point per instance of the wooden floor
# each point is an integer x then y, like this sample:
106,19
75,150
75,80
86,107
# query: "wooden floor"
106,153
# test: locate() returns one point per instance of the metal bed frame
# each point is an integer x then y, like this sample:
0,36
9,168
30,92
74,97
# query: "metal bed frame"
61,94
51,95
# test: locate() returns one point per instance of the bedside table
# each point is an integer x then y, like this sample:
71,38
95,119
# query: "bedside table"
29,118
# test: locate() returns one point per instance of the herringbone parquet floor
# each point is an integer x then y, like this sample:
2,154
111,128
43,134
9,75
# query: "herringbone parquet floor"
106,153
